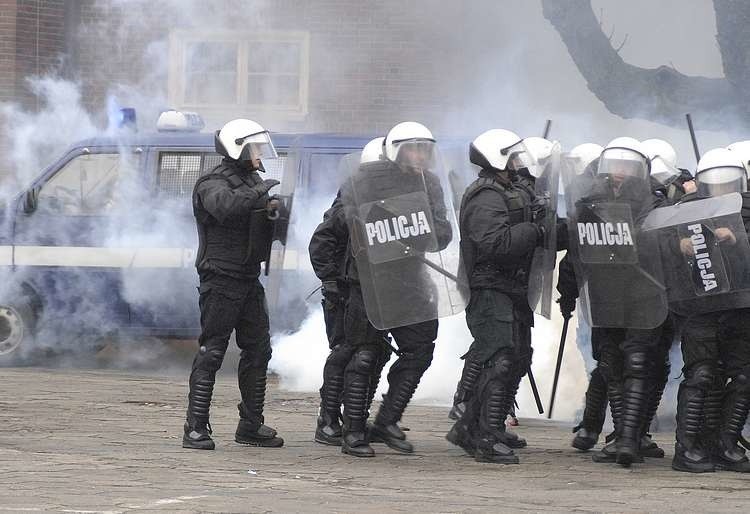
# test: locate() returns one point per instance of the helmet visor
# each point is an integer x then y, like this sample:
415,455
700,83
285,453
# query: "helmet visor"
257,146
663,172
415,153
623,163
721,180
519,157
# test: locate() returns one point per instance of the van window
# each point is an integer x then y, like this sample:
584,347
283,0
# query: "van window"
178,171
85,186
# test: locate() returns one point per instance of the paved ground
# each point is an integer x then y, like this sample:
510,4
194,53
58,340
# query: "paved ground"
109,441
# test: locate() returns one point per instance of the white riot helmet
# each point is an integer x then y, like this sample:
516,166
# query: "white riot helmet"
583,155
494,148
242,140
411,144
742,148
663,160
720,171
624,157
373,151
541,150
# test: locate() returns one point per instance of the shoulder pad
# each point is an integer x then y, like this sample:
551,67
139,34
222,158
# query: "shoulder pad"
481,184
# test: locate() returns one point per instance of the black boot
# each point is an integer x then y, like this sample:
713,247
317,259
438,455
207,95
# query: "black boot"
374,382
385,426
465,388
355,440
689,455
608,453
197,430
594,413
460,435
250,430
328,430
730,455
649,448
712,415
489,445
634,405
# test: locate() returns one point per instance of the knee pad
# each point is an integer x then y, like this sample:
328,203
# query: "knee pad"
209,359
741,381
364,361
700,376
504,367
340,356
637,364
422,354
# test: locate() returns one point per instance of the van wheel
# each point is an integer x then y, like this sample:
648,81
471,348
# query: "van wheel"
16,326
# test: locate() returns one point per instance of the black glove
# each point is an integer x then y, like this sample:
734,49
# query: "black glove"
263,187
567,306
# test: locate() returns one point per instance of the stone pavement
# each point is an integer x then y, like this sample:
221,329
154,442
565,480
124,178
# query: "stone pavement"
110,441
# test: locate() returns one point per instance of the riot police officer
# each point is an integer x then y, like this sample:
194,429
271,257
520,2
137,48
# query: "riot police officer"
329,264
715,389
233,213
408,154
625,305
497,239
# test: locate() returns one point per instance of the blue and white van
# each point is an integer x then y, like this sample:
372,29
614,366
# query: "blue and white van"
103,241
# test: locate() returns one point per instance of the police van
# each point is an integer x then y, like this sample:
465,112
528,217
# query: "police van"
103,241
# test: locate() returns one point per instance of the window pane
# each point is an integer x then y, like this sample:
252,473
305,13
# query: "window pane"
211,73
273,57
273,90
86,186
178,171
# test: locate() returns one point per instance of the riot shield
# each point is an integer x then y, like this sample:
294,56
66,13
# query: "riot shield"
405,240
705,254
620,281
541,275
286,171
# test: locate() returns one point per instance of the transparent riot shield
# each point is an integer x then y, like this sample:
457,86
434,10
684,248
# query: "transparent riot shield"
404,238
620,278
286,170
541,275
705,254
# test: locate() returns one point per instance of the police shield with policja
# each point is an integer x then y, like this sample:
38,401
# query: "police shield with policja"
329,261
235,218
620,283
706,256
403,275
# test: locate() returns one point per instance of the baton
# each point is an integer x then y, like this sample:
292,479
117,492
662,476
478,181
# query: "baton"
692,136
534,390
547,127
558,366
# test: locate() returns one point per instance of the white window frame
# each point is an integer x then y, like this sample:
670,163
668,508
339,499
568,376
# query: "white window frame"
180,39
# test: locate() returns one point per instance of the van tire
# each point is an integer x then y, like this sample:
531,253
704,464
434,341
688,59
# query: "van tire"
17,325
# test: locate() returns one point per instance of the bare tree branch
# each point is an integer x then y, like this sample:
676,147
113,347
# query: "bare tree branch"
662,94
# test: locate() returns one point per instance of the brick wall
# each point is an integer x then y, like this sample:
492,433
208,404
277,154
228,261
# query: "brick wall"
370,62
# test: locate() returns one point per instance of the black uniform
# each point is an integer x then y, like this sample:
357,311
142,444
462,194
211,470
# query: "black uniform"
329,264
365,348
595,409
229,204
497,241
714,396
626,355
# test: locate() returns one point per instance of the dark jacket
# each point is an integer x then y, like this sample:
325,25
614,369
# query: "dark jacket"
234,232
497,233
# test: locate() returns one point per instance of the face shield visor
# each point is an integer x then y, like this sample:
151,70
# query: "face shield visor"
663,172
721,180
256,146
623,163
415,153
519,158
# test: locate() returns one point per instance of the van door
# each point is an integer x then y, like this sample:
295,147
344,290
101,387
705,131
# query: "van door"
68,247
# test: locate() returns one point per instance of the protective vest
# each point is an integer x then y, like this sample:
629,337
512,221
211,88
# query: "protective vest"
238,246
518,204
